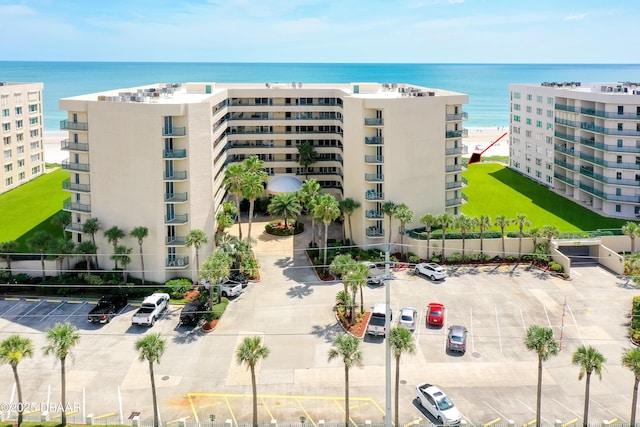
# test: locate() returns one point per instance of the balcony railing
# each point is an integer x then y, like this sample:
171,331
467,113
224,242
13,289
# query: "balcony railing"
176,219
453,168
607,196
176,241
69,125
463,133
609,114
74,206
68,144
609,147
453,185
73,186
75,227
609,164
373,195
608,180
563,178
373,140
373,177
460,116
175,175
565,136
72,166
374,159
564,164
373,121
373,214
374,232
564,149
453,151
174,131
174,154
453,202
177,262
175,197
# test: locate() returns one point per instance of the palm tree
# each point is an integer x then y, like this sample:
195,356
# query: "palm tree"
233,182
307,156
631,360
521,220
225,218
590,360
122,255
62,248
140,233
308,193
347,348
535,233
484,222
464,223
327,210
91,227
253,164
113,235
196,238
347,207
502,222
541,340
151,348
404,215
62,219
250,353
446,221
88,250
252,188
214,268
8,248
549,232
355,280
388,209
285,205
632,230
401,342
40,242
61,338
12,351
342,264
428,221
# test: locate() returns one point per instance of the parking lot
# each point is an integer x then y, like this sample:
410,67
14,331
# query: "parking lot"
292,310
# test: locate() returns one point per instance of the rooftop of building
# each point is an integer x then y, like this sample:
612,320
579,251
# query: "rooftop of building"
624,88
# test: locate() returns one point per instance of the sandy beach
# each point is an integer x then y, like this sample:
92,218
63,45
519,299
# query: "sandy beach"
479,138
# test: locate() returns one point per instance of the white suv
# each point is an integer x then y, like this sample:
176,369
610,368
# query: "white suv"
432,270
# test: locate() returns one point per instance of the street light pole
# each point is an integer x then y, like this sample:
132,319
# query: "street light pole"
387,329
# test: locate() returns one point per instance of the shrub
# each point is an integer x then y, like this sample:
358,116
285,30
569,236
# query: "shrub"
414,259
554,266
177,288
454,257
218,309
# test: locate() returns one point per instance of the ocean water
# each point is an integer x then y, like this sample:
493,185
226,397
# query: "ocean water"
486,84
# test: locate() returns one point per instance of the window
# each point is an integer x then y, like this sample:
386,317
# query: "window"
6,127
33,121
529,97
549,140
549,166
539,111
516,95
516,118
516,107
620,109
618,175
550,100
18,111
35,170
527,133
538,123
528,121
619,143
618,191
7,140
538,174
618,159
17,98
539,99
4,100
18,124
549,126
9,181
619,126
20,149
550,114
19,137
35,145
8,167
21,176
529,109
21,163
517,165
33,108
549,179
5,112
7,154
538,162
528,170
35,157
618,208
33,133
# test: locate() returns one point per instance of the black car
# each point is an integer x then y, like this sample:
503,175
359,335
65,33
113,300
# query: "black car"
107,307
193,312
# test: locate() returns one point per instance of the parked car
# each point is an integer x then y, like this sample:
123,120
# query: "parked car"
227,288
432,270
376,275
438,404
457,339
435,314
377,321
107,307
236,277
408,318
192,312
152,307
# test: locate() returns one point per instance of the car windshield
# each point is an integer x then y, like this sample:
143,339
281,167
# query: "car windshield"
444,403
456,338
436,312
407,318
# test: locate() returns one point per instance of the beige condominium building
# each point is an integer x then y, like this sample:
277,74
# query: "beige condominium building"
155,156
581,140
22,137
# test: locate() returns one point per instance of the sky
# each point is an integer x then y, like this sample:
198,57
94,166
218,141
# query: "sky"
327,31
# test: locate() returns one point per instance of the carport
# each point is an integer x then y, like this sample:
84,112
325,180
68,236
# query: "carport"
571,253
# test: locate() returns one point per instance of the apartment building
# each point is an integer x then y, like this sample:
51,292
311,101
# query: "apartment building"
22,136
155,156
581,140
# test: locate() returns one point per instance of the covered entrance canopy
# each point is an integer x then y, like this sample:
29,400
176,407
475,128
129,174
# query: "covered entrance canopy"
283,184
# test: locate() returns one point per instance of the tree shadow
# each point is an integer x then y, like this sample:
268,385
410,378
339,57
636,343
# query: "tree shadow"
190,334
285,262
327,332
300,291
626,282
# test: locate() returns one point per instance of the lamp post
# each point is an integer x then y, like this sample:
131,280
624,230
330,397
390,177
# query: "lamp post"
387,328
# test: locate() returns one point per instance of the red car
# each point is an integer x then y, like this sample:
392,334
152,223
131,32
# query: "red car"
435,314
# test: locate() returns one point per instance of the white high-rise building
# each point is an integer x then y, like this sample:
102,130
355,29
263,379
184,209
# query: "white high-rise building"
155,156
582,141
22,137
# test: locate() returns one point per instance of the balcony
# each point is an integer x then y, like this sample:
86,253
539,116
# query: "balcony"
75,227
174,131
565,136
453,185
564,178
563,149
176,219
373,140
609,164
373,177
373,195
565,165
453,202
374,159
373,121
75,206
453,168
563,107
374,232
588,172
68,144
609,114
455,151
175,197
177,262
609,147
175,175
174,154
176,241
373,214
72,166
463,133
69,125
610,197
460,116
73,186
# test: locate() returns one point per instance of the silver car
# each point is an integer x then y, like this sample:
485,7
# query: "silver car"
408,318
457,338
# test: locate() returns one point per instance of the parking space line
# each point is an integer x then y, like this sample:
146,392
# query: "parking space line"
524,325
233,415
49,313
567,408
74,312
498,327
532,410
495,410
622,420
266,407
575,323
547,314
13,307
12,299
473,346
309,417
27,313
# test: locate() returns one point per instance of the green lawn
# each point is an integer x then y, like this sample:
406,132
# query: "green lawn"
494,189
32,205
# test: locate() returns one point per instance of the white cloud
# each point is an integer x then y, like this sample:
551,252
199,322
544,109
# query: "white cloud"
14,10
575,17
